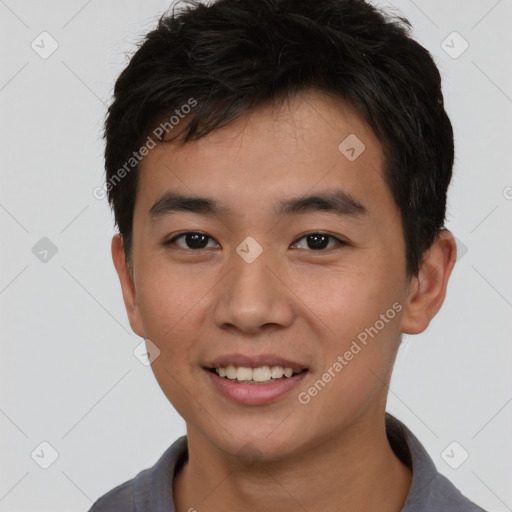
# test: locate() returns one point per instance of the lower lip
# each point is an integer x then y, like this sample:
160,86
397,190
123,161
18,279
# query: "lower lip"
254,394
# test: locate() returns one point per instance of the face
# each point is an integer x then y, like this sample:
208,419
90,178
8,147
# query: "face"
267,245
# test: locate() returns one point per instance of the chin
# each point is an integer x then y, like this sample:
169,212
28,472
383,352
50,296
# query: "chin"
254,443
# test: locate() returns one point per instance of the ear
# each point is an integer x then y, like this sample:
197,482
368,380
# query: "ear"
427,290
127,285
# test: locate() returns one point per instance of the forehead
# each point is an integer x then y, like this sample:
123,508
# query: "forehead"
308,143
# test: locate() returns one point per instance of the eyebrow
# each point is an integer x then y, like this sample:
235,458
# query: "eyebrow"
337,201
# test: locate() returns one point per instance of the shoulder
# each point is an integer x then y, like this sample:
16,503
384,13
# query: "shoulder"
116,500
150,490
445,496
430,490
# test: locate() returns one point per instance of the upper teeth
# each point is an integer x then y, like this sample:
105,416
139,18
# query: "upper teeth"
260,374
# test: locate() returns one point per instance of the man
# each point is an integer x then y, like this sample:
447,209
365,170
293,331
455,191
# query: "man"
278,171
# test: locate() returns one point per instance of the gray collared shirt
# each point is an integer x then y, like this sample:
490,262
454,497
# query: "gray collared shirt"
151,489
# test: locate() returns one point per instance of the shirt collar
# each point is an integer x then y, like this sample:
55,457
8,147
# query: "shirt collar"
153,486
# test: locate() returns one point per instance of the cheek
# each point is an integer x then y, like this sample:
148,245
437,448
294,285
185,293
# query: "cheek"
345,300
168,297
358,352
358,313
172,313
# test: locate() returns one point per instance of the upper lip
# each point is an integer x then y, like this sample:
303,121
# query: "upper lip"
254,361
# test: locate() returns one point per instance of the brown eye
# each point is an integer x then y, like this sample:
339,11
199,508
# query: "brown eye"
191,240
319,241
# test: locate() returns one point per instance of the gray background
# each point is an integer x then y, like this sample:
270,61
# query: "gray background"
68,375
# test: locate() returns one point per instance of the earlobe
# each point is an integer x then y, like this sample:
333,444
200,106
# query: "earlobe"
427,290
127,285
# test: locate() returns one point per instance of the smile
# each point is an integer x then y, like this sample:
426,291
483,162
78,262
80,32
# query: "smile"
256,379
259,375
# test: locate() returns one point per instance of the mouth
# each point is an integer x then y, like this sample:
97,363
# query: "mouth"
255,376
254,380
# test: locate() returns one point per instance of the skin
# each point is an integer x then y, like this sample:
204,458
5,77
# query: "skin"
302,304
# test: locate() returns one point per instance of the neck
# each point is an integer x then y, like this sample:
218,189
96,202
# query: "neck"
354,471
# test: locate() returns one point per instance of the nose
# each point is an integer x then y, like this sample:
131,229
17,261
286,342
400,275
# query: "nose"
254,297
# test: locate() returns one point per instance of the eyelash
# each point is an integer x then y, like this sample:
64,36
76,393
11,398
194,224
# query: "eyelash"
340,243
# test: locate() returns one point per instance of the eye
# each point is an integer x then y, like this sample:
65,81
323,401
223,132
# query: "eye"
320,241
195,241
191,240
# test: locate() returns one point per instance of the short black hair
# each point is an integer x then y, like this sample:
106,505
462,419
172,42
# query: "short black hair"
231,56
